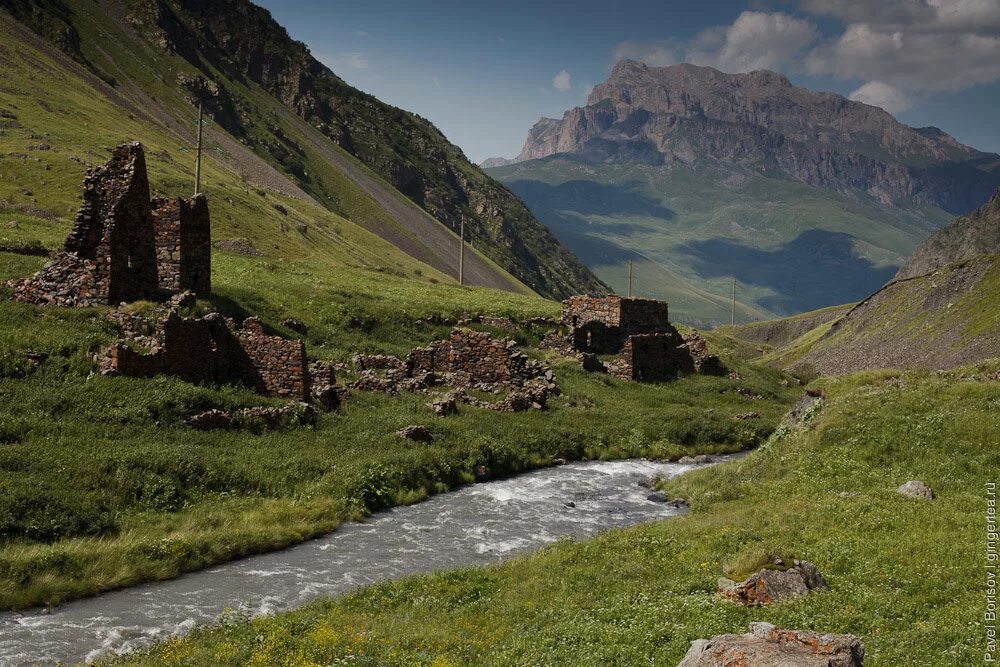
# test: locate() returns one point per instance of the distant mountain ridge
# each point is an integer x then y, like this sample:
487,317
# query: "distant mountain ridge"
685,113
806,198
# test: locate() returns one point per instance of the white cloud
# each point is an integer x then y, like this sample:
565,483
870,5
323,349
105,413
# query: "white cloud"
975,16
756,40
361,33
341,61
884,95
917,62
562,81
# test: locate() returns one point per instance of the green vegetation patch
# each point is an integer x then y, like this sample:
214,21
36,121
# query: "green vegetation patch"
904,574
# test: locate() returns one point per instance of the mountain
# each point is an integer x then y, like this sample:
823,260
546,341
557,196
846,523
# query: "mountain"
977,233
807,198
334,143
942,311
491,162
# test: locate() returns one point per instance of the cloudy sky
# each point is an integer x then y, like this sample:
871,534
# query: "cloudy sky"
485,72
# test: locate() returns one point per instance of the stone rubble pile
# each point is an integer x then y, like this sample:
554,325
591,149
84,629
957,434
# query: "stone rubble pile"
768,646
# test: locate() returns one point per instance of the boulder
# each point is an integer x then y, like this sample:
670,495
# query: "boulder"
771,585
698,459
445,405
916,489
767,646
416,433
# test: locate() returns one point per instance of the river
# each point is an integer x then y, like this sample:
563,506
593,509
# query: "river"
478,524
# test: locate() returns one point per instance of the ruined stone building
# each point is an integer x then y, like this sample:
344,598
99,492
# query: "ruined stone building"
649,348
601,325
123,246
213,349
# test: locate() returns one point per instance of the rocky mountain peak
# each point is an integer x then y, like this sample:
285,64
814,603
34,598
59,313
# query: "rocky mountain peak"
760,121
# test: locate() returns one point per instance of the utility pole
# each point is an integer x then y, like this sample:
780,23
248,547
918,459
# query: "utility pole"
461,253
734,301
197,162
630,279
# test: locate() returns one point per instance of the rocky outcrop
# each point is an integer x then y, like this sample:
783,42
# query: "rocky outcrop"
771,584
965,237
685,114
768,646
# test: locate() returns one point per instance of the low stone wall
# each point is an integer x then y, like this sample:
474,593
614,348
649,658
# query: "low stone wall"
601,325
279,364
213,349
477,354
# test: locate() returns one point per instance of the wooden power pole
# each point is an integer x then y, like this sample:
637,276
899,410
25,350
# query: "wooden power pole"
630,279
461,253
197,162
734,302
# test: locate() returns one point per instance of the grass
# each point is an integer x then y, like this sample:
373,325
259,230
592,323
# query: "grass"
905,575
103,486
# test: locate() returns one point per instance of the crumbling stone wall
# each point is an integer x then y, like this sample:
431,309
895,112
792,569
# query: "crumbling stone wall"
653,358
601,325
474,353
278,364
213,349
123,247
183,244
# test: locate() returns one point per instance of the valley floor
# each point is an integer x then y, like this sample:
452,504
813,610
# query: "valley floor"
905,575
103,485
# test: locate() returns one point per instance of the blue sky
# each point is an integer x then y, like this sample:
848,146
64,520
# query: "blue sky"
485,72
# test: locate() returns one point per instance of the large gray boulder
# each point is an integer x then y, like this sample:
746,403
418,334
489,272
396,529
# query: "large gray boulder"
770,585
767,646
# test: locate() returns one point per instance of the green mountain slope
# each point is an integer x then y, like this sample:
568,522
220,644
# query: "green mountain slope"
942,314
379,166
792,247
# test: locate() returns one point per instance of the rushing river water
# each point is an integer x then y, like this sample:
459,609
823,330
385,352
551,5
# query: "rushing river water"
476,525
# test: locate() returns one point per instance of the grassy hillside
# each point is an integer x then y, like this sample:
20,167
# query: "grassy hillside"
792,247
905,575
153,60
941,320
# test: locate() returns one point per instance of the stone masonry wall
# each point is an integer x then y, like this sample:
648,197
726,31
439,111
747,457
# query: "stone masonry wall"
183,244
280,364
475,353
122,247
602,324
653,358
213,349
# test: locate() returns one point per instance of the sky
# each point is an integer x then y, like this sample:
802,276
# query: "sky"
485,72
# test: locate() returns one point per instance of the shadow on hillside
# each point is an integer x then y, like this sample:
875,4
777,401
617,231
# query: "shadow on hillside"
816,269
591,198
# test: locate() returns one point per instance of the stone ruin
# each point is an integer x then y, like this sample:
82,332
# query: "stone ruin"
649,348
466,361
214,349
123,246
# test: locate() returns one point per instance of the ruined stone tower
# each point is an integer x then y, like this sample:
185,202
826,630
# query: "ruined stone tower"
183,244
123,247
